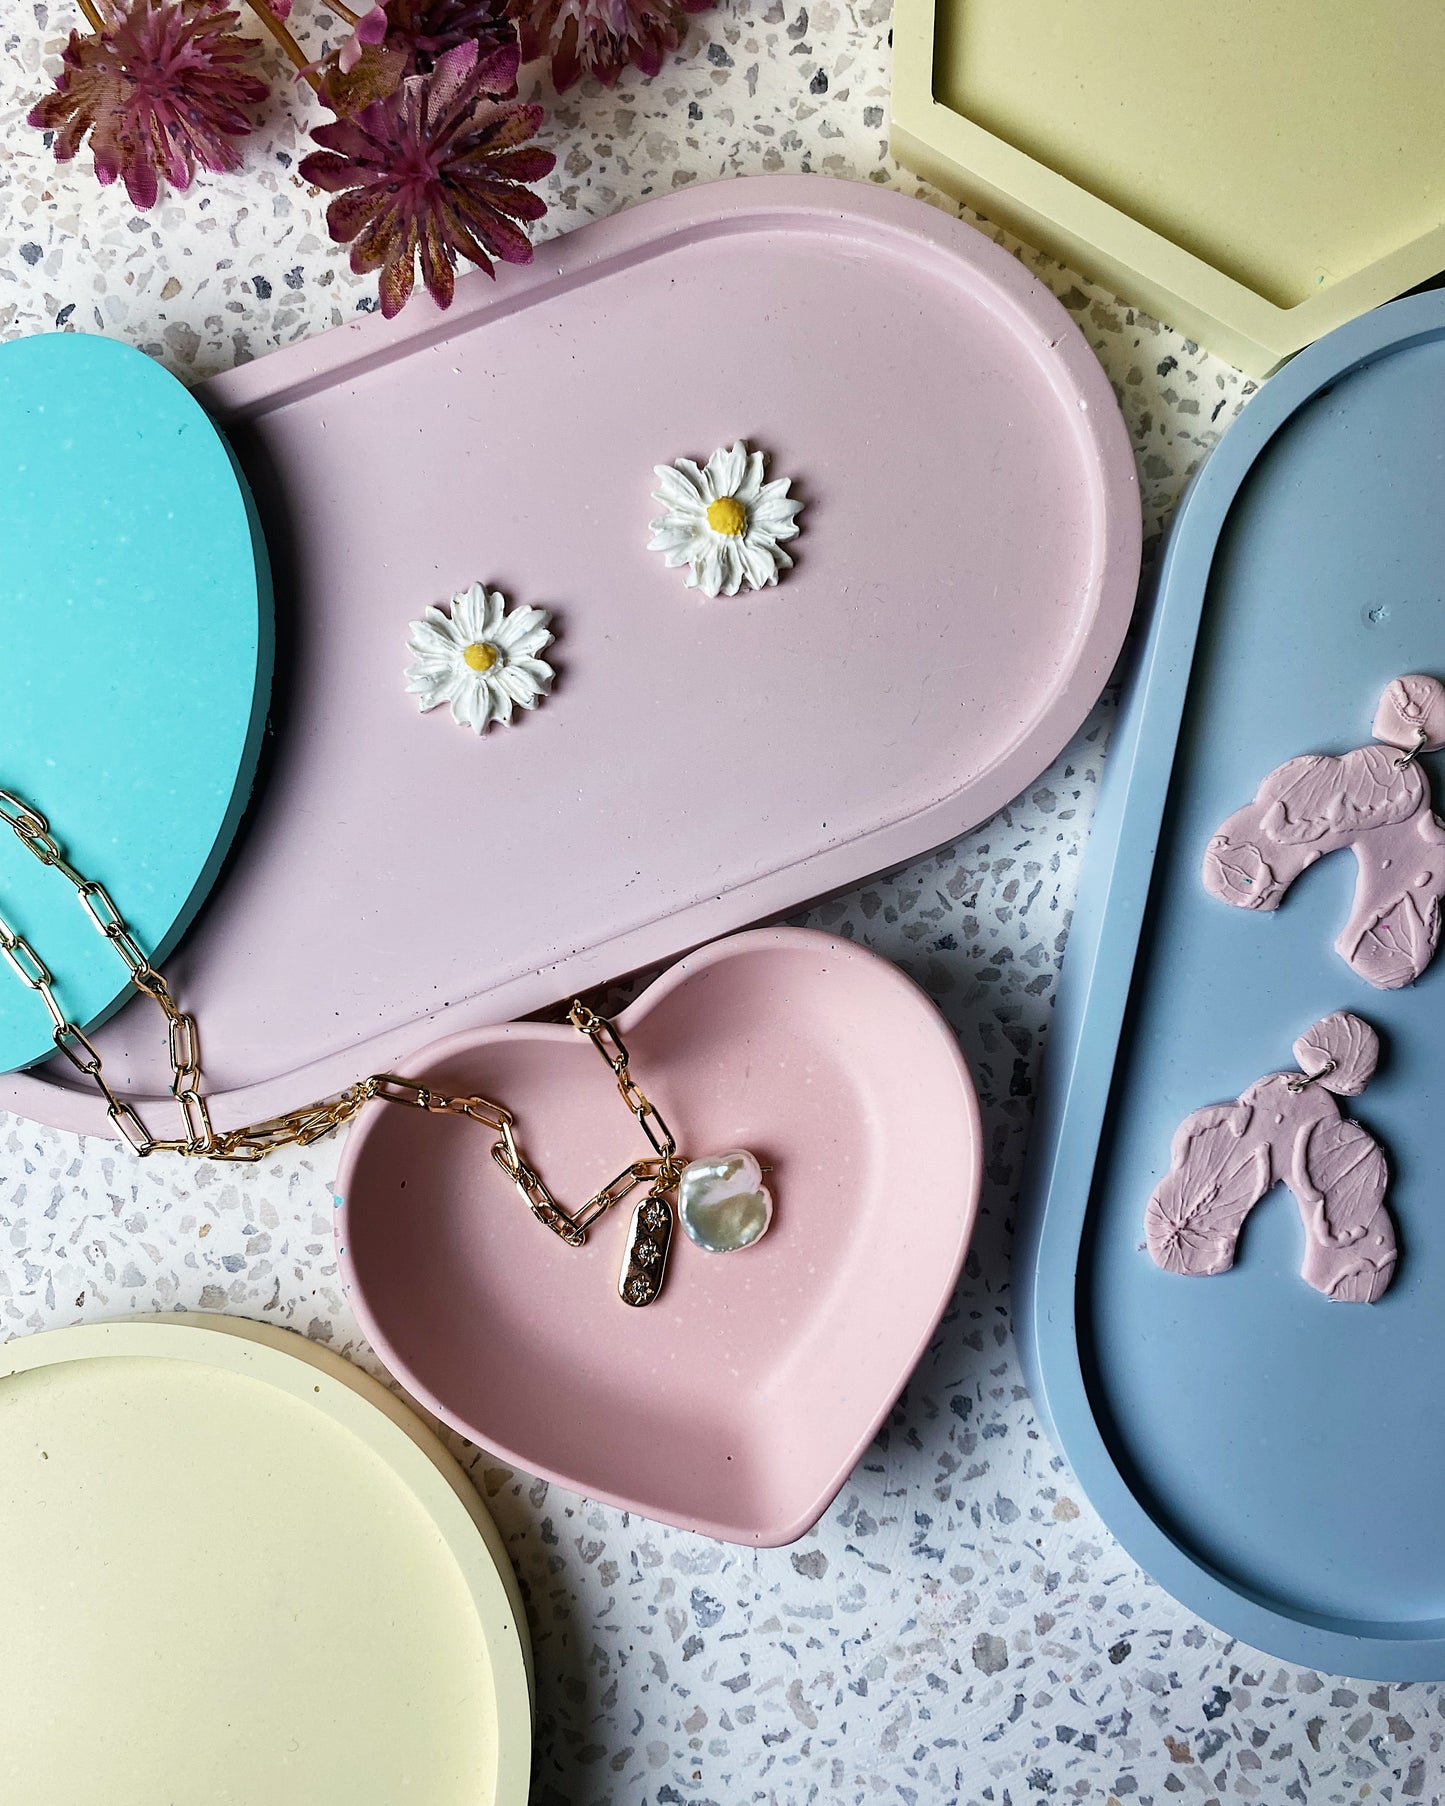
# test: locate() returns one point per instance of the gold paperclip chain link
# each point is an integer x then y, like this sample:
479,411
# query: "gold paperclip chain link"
604,1037
299,1128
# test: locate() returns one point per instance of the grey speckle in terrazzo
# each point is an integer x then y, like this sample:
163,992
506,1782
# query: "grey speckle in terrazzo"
959,1627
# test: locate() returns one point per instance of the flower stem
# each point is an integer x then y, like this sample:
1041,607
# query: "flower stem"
350,17
94,18
282,37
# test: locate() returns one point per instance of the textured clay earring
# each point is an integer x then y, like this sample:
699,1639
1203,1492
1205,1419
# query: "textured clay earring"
1375,800
1286,1128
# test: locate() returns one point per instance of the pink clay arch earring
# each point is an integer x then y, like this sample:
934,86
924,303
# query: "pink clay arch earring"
1375,800
1286,1128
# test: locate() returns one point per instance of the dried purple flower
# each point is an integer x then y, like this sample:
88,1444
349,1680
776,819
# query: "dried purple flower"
601,37
398,38
430,28
434,171
160,89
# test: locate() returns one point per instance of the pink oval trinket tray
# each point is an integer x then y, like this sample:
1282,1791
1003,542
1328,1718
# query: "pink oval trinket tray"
965,574
738,1402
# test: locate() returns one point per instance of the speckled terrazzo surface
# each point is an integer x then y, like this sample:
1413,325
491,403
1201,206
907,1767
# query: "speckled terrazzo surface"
959,1627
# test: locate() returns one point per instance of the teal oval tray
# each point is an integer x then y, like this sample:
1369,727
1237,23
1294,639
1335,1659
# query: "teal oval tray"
135,616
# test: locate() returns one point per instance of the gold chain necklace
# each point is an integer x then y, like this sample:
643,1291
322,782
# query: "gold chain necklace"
665,1172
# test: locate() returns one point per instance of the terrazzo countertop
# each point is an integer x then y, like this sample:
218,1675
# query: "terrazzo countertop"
959,1627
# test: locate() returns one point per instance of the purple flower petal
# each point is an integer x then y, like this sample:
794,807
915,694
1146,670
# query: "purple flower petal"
497,73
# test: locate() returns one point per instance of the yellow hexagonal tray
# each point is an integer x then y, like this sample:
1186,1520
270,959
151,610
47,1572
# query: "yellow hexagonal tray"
1253,175
235,1567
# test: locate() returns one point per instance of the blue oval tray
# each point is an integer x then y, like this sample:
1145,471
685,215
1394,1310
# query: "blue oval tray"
1275,1460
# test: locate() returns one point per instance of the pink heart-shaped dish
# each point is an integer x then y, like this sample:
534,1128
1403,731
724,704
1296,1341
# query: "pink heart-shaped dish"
737,1404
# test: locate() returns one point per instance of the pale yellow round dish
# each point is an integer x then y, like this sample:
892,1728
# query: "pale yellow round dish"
233,1568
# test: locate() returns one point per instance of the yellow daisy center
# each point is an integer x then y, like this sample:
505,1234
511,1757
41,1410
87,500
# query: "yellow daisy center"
479,655
727,515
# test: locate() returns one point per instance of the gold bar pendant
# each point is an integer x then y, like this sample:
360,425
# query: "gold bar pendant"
648,1241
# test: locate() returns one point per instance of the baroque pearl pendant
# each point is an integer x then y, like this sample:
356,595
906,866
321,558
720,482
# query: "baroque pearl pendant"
723,1203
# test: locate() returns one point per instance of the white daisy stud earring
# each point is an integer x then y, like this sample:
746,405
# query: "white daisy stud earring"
723,521
480,658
